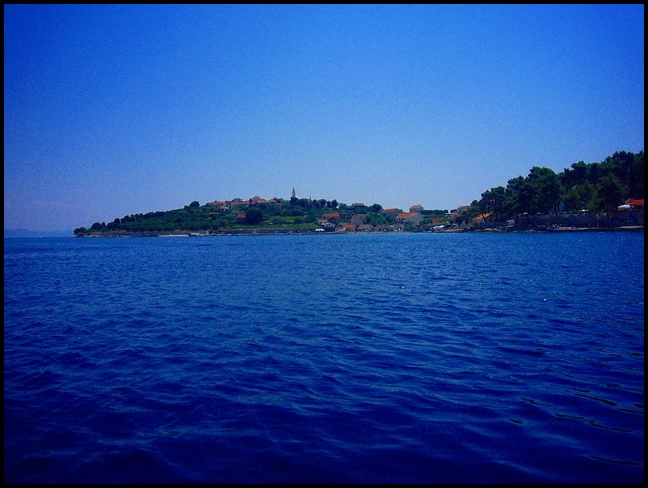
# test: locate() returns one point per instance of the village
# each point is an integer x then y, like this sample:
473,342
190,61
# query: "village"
357,217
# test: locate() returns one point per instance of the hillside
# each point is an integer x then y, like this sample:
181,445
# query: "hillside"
259,215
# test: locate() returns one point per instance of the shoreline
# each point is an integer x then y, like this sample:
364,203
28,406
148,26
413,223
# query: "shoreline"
507,230
258,232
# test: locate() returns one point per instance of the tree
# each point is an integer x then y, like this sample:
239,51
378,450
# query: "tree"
609,194
375,219
520,194
586,192
575,176
637,169
194,204
546,187
254,216
620,164
594,172
572,200
492,202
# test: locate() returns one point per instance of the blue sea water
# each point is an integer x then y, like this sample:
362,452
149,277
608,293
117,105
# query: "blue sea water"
398,358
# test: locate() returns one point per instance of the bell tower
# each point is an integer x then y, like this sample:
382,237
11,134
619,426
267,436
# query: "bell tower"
294,195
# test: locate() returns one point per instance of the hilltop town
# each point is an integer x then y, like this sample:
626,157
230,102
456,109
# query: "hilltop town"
276,215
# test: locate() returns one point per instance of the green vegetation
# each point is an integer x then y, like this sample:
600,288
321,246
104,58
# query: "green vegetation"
594,188
216,217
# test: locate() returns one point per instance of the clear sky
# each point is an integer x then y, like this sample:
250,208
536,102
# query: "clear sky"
111,110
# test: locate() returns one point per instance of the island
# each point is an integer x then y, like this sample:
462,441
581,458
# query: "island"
594,196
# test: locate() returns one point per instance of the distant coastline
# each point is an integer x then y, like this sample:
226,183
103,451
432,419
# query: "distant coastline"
22,233
26,233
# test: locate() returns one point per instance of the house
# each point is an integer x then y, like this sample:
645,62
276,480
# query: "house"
239,204
349,227
482,218
391,212
636,203
411,217
240,218
217,203
416,208
222,206
332,215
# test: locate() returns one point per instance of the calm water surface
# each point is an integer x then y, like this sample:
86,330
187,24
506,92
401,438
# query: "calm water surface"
439,358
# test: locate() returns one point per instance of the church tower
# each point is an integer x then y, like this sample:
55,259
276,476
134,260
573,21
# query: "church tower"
294,195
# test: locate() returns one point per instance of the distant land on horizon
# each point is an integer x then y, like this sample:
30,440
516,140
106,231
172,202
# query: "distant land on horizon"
12,233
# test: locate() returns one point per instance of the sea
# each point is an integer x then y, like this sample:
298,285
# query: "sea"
325,358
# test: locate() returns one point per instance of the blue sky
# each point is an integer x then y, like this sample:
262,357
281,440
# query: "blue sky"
114,109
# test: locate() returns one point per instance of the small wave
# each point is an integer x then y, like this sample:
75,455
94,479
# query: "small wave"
330,379
44,378
527,352
565,416
616,461
602,400
535,402
627,410
594,423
